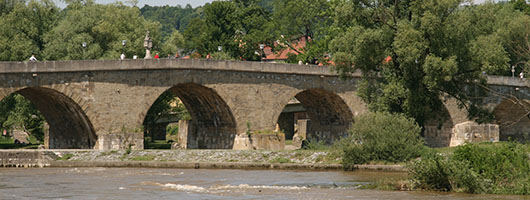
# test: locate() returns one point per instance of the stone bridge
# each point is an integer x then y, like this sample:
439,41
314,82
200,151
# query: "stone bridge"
102,104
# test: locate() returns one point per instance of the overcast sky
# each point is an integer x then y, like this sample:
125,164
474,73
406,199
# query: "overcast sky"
193,3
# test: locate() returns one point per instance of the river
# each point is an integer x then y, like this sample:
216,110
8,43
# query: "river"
142,183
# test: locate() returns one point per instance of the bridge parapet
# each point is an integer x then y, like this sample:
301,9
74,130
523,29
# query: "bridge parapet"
113,65
508,81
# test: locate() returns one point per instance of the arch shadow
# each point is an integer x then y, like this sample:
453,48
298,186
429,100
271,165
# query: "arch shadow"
69,127
325,116
438,132
212,126
513,118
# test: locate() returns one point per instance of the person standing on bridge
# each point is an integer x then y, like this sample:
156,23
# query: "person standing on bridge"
521,75
156,56
32,58
122,56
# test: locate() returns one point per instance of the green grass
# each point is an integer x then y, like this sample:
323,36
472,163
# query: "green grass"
8,143
288,142
66,157
280,160
158,144
144,158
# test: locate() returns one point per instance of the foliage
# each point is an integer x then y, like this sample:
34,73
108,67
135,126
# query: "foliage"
382,137
23,25
144,158
280,160
172,129
162,107
66,157
411,53
238,27
308,19
102,27
173,44
171,18
19,113
502,168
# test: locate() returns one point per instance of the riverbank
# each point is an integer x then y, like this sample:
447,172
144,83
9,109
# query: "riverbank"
196,159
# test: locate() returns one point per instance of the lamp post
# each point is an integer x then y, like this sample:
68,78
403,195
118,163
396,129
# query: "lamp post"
84,47
261,48
123,42
513,71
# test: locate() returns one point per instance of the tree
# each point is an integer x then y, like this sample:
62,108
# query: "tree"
413,53
23,28
102,27
238,27
19,113
310,19
173,44
170,18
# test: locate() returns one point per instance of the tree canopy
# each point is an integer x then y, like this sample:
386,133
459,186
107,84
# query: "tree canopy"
414,53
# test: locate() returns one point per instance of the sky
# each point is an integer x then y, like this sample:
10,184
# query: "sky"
193,3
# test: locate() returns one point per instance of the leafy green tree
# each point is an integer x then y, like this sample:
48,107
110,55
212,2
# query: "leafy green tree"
308,19
171,18
522,5
19,113
23,26
238,27
165,105
174,44
413,53
102,27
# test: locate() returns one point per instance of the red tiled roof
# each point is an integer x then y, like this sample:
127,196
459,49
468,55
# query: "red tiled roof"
283,54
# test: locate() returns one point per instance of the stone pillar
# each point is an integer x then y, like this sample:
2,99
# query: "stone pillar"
473,132
134,140
259,141
184,131
46,136
301,132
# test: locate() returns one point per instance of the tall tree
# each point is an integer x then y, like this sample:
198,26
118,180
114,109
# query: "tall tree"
102,28
413,53
19,113
23,28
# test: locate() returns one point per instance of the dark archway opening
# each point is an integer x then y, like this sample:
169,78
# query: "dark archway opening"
49,116
210,124
315,115
438,131
513,118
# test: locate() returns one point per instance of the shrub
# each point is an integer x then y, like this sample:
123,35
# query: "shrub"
172,129
501,168
382,137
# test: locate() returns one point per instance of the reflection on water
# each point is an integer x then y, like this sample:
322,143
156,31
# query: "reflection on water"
137,183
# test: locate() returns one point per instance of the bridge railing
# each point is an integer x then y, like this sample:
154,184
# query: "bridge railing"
508,81
150,64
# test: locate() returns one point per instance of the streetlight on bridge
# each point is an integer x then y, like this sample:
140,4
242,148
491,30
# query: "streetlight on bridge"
84,47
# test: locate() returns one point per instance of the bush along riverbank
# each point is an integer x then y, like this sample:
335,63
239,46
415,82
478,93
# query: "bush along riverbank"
484,168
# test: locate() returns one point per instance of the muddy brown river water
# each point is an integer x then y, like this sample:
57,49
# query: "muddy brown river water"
142,183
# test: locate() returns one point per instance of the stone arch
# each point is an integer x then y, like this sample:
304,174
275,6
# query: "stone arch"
328,116
69,126
438,131
513,118
213,125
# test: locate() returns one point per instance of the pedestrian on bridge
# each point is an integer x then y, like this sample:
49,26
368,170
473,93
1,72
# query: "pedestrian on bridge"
32,58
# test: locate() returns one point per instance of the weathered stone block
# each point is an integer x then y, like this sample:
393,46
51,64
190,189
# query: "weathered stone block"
134,141
260,141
